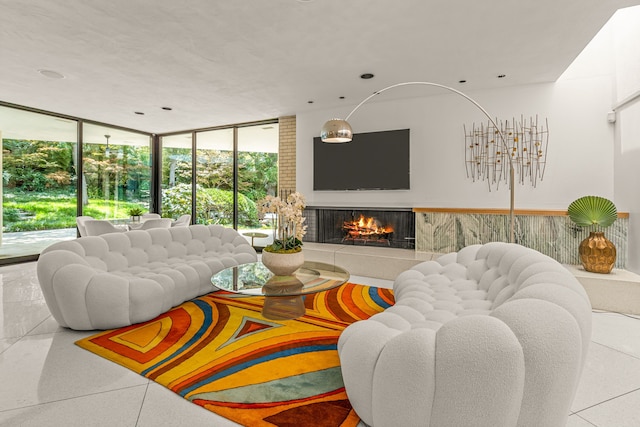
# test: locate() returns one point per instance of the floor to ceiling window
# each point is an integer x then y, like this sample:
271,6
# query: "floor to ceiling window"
39,165
176,176
257,177
116,172
214,177
56,167
234,168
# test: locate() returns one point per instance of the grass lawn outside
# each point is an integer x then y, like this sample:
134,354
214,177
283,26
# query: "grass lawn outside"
26,211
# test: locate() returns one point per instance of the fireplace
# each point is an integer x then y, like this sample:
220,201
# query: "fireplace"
382,227
367,230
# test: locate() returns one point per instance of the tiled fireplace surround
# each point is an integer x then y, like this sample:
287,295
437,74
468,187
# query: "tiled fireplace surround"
439,231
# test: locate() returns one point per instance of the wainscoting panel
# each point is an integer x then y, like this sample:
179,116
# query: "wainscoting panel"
553,235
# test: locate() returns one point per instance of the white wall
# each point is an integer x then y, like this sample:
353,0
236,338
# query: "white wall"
625,37
587,155
627,178
580,157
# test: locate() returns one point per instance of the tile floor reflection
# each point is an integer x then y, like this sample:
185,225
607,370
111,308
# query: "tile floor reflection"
48,381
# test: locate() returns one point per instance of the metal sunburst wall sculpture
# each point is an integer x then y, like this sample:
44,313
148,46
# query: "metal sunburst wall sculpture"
486,157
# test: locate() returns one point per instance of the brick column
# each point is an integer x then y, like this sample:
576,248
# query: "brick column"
287,154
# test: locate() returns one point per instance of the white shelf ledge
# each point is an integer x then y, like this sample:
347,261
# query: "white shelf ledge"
617,291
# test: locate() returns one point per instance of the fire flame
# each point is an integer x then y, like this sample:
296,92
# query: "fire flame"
363,227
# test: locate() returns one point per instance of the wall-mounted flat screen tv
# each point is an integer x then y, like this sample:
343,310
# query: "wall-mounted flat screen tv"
371,161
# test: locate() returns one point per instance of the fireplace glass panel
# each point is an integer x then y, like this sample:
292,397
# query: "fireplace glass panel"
372,227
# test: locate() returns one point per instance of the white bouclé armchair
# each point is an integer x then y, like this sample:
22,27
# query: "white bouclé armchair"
494,335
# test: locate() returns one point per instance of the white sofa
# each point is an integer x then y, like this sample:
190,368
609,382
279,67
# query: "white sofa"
493,335
117,279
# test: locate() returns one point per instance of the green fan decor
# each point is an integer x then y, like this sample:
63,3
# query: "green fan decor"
589,211
597,253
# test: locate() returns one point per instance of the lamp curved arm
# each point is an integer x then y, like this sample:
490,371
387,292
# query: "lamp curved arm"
450,89
342,138
462,94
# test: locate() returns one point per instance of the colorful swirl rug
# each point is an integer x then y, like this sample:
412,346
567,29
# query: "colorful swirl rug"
219,352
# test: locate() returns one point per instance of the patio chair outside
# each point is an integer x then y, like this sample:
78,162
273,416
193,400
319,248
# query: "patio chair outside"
155,223
182,221
80,224
97,227
149,216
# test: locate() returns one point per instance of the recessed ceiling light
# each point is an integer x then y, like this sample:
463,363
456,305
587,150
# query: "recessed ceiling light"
309,102
342,97
462,81
366,76
140,113
502,76
167,108
51,74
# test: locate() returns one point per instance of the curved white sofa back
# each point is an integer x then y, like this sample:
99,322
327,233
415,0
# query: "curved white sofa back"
114,280
493,335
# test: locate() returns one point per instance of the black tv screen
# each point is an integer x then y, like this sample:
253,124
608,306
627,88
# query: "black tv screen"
371,161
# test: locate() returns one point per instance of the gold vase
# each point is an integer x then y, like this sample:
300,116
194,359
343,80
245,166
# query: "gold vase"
597,253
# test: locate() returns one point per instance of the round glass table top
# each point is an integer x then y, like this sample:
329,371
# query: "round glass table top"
256,279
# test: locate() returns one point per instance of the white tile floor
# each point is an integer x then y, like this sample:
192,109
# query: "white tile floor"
45,380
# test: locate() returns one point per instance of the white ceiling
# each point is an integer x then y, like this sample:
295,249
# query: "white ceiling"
230,61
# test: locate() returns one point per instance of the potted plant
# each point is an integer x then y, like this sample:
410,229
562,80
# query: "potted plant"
597,253
284,255
135,213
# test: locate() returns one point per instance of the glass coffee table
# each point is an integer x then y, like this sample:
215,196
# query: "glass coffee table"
283,294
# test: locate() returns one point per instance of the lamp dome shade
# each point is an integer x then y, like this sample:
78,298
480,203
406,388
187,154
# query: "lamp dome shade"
336,131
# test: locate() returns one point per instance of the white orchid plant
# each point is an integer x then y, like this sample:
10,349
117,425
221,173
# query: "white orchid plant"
289,225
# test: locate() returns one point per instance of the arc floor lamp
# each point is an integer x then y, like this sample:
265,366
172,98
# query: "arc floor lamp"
339,131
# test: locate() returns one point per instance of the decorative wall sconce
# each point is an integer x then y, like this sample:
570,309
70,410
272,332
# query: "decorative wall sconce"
487,158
